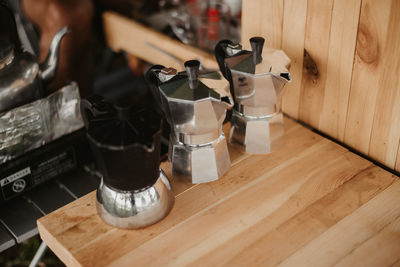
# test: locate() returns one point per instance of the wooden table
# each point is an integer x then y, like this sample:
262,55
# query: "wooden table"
312,203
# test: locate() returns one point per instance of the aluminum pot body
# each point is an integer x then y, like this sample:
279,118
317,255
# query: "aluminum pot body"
257,81
197,150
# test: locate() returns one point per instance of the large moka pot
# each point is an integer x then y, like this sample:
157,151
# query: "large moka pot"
125,141
198,151
256,80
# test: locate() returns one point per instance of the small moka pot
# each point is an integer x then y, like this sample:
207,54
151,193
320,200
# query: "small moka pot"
197,149
256,81
125,141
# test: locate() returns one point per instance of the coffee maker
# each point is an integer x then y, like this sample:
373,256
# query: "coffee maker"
195,112
125,142
257,79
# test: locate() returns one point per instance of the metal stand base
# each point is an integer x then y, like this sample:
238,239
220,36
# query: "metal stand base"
199,164
135,209
39,254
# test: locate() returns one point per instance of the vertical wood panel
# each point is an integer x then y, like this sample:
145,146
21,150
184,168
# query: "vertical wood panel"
270,12
386,124
318,24
272,32
368,67
345,17
345,67
251,20
397,167
294,24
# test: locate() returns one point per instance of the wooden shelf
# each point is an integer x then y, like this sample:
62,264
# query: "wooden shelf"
311,203
125,34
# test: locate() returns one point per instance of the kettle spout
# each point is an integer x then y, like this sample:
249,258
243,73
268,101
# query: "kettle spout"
48,67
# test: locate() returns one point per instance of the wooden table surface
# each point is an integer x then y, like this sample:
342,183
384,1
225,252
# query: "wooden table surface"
311,203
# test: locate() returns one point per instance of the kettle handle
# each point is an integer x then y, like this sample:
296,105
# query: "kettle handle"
94,107
220,55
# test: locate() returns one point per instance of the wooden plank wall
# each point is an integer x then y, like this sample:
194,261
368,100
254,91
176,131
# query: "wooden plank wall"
345,67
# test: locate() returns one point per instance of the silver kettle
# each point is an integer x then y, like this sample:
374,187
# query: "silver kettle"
22,78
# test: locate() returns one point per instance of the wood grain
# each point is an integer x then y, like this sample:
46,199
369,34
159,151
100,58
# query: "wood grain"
397,167
342,40
386,241
345,69
294,24
247,245
127,35
348,234
368,67
251,17
268,11
238,210
272,31
316,43
265,210
384,141
268,231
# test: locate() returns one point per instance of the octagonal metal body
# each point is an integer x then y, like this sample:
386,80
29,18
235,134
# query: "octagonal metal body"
198,150
257,80
257,135
199,164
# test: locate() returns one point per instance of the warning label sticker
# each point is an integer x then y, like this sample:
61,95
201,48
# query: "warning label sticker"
37,173
15,176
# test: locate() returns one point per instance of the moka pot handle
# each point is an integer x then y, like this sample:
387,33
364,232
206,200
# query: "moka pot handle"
94,107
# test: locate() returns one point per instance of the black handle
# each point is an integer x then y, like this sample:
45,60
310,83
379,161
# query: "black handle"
152,83
220,55
257,44
192,70
94,107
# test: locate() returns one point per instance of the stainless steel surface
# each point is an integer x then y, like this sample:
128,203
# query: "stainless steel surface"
6,54
19,217
19,82
38,255
195,112
32,125
48,68
6,239
49,197
135,209
258,78
257,87
199,163
21,78
26,32
257,135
